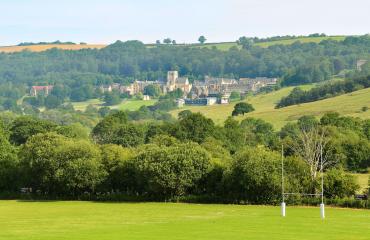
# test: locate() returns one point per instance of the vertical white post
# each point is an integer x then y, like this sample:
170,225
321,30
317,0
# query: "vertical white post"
322,206
322,210
283,205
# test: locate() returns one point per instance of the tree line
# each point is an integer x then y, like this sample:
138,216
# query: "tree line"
237,162
297,95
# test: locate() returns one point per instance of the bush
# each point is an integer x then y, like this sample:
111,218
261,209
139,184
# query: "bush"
338,184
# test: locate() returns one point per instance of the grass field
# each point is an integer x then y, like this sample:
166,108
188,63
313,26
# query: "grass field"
160,221
363,181
124,105
264,104
224,46
227,45
134,104
82,105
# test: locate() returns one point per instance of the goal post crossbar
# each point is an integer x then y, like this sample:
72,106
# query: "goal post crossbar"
284,194
304,194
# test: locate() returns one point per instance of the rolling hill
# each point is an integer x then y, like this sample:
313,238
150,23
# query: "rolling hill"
349,104
224,46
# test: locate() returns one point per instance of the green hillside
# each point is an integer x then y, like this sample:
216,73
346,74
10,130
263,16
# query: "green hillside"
348,104
227,45
130,105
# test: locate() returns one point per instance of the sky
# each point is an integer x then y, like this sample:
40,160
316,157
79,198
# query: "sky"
105,21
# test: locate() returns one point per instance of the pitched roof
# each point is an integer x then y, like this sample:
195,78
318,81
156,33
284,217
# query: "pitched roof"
39,88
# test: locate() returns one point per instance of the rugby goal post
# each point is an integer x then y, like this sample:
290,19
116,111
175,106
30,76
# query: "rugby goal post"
284,194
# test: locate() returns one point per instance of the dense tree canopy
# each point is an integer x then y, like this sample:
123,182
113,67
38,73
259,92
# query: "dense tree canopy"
123,62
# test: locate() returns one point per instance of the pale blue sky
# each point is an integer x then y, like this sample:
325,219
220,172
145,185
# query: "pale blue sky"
105,21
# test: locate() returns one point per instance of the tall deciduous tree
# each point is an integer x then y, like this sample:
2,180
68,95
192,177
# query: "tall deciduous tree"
242,108
202,39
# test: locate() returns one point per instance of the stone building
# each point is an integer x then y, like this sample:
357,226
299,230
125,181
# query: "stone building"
360,63
174,82
36,90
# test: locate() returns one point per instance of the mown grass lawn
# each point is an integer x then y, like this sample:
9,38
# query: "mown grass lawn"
160,221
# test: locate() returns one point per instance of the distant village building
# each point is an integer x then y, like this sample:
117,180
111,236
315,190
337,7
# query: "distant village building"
180,102
44,90
360,63
105,88
201,101
208,92
146,97
175,82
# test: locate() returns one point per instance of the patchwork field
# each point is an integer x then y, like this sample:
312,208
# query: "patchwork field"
224,46
264,104
40,48
110,221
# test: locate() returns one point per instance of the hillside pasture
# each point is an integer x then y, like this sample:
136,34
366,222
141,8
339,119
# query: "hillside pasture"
133,105
130,104
22,220
224,46
348,104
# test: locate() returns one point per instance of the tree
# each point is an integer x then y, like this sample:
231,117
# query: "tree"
158,42
9,165
52,101
311,145
202,39
167,41
152,90
235,137
171,171
339,184
183,114
115,160
245,42
104,111
76,130
103,132
195,127
128,135
112,98
24,127
60,166
255,176
174,42
257,132
242,108
163,140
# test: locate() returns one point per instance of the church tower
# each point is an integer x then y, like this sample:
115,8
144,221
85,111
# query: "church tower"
172,76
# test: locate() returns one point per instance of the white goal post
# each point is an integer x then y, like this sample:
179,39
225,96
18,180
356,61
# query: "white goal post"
284,194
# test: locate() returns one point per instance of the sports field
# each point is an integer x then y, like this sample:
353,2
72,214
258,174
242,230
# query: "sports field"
160,221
